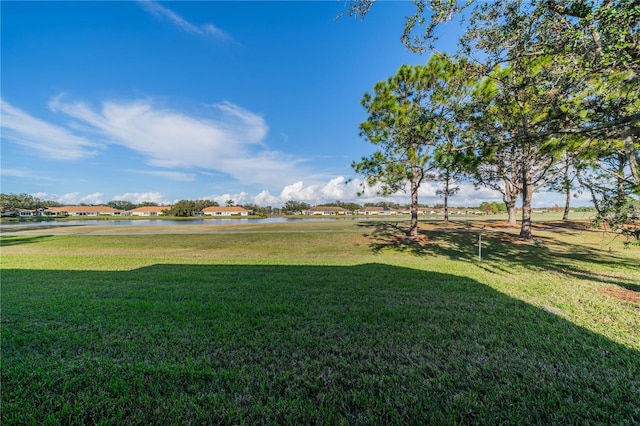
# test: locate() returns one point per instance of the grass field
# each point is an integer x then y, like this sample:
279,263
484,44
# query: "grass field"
336,322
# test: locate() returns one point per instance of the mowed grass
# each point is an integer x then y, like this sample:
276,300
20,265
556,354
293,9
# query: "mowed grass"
331,323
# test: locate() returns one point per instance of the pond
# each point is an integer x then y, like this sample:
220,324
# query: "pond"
164,222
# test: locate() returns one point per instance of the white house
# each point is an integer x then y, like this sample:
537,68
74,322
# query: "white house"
25,213
326,211
148,211
226,211
84,211
378,211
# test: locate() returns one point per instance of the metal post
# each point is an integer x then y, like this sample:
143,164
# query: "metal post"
479,246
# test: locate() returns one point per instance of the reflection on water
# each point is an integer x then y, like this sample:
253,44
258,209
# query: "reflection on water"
152,222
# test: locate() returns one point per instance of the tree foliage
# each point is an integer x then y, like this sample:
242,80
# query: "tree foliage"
187,208
203,204
121,205
566,181
183,208
10,202
565,77
448,163
295,207
345,205
509,121
406,122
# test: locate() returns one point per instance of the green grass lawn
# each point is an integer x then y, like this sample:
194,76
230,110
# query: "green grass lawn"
331,323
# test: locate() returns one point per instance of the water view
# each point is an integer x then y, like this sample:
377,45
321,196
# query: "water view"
164,222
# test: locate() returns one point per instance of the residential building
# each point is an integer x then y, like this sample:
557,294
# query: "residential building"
148,211
378,211
326,211
84,211
26,213
226,211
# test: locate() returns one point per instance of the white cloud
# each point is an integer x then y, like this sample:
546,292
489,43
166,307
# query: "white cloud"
177,176
95,198
253,128
40,195
469,195
266,199
345,190
225,138
72,198
177,20
240,198
335,189
143,197
26,174
44,138
230,141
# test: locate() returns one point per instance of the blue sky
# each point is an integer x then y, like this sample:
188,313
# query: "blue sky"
258,102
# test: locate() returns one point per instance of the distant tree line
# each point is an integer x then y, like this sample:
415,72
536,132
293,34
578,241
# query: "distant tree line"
186,208
128,205
493,207
24,201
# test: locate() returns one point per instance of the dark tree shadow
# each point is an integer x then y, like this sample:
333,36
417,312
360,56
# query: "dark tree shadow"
9,229
14,241
228,344
499,249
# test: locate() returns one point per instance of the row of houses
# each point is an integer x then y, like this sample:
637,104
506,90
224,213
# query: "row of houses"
153,211
146,211
383,211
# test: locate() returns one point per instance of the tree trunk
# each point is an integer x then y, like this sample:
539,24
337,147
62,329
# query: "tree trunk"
566,185
511,211
567,202
413,228
446,201
620,189
594,197
527,195
632,157
510,196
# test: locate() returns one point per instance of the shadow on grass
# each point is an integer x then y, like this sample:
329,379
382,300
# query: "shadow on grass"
373,343
14,241
28,227
502,248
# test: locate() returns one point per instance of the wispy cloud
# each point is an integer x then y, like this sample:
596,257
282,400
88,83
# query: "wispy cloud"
224,138
72,198
238,199
177,20
143,197
44,138
25,174
177,176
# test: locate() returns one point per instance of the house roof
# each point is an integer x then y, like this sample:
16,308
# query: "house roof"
88,209
149,209
236,209
327,209
377,209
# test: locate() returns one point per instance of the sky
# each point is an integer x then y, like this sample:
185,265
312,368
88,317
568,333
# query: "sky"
255,102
